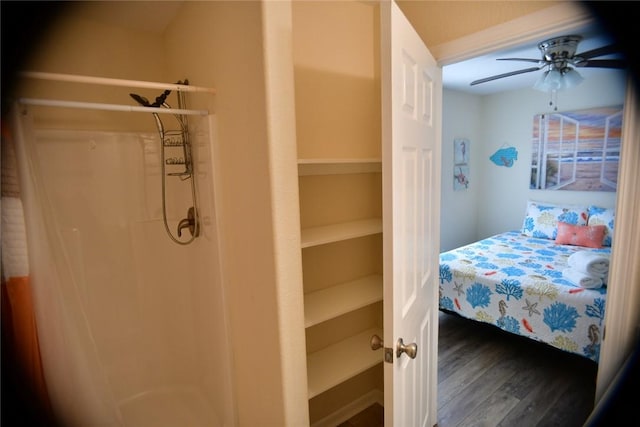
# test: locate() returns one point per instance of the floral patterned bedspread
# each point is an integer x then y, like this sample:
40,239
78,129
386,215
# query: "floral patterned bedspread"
515,282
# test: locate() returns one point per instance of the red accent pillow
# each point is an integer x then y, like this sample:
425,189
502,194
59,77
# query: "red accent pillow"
590,236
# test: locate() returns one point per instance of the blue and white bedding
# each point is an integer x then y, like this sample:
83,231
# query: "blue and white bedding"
515,282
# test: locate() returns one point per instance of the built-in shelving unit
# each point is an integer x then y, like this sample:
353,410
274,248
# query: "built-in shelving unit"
348,357
339,145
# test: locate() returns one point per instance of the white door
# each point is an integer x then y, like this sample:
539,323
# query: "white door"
411,126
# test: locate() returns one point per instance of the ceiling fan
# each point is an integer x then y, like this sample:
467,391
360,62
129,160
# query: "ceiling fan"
560,58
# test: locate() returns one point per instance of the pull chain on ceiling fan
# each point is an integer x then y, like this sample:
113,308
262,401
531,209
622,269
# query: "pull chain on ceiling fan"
560,59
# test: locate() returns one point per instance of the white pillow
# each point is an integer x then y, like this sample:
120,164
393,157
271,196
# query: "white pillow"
541,219
603,216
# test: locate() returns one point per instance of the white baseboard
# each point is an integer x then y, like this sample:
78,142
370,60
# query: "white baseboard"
351,409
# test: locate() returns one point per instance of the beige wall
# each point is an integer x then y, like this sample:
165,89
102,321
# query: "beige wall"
442,21
76,45
337,80
230,46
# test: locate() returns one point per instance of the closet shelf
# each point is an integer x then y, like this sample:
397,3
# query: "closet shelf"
338,362
315,236
337,300
338,166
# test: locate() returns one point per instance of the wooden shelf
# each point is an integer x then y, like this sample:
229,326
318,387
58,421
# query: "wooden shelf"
337,363
338,166
315,236
335,301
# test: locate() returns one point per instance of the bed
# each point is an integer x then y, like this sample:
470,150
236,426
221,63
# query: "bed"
518,280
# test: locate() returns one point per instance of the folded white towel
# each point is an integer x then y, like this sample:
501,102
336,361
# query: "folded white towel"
593,263
582,279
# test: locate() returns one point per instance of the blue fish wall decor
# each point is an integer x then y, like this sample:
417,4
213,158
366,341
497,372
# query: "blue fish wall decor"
505,156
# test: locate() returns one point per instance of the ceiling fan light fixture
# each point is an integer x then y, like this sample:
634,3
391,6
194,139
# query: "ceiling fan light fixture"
571,78
539,84
550,81
555,81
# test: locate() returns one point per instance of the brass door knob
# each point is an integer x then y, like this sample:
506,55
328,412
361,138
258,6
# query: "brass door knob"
376,342
410,349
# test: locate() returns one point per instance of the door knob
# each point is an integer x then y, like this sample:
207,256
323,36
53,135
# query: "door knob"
376,342
410,349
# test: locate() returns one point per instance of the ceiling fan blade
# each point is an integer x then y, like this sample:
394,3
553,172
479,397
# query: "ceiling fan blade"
500,76
602,63
539,61
601,51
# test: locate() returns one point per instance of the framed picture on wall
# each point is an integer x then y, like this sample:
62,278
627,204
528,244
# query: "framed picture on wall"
461,150
576,150
461,177
461,153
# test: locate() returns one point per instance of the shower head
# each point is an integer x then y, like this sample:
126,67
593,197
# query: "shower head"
140,99
145,103
160,100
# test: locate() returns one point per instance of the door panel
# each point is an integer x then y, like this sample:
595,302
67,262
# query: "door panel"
411,102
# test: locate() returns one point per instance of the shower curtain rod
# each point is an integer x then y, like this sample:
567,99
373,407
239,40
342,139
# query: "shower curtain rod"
75,78
108,107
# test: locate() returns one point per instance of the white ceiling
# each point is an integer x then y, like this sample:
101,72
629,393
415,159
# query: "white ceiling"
458,76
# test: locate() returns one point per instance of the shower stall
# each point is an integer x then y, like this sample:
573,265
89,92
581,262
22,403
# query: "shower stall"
124,256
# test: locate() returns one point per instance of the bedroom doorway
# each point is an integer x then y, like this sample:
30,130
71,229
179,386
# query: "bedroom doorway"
621,301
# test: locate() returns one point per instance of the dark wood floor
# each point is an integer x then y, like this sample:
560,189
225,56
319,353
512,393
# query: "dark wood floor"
489,378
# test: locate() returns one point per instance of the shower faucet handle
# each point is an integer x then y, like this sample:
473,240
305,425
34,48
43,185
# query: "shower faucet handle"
190,223
185,223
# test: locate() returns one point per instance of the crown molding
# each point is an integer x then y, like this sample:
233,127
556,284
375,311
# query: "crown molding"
547,22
